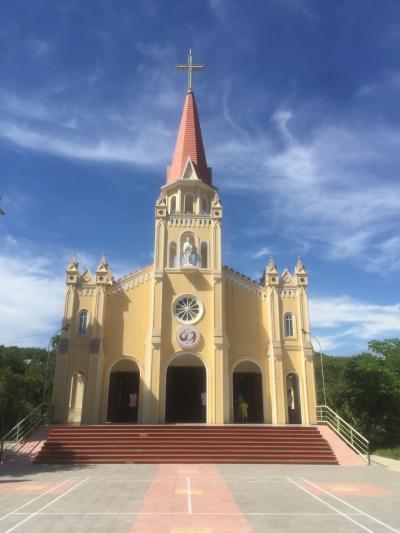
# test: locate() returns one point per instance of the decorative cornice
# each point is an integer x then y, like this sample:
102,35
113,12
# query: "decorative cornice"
190,221
244,283
132,280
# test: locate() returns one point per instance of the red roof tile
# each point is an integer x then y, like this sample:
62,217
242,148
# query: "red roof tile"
189,143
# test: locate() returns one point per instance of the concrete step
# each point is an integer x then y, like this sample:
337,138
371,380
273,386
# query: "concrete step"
185,444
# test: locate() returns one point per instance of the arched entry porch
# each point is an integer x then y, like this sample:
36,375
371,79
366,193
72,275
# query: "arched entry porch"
186,390
293,399
123,392
247,386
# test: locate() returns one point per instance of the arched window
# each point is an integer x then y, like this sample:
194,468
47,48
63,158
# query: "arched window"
172,208
204,206
189,203
173,256
289,325
82,322
204,255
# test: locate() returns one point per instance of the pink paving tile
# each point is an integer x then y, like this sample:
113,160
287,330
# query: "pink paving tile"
344,454
31,447
208,494
347,489
32,487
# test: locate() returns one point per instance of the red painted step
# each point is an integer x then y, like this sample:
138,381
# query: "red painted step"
185,444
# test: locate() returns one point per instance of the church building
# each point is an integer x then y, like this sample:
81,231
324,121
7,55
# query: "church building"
185,339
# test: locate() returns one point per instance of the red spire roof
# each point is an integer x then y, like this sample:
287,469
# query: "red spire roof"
189,143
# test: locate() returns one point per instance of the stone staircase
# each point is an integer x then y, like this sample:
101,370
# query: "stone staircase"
185,444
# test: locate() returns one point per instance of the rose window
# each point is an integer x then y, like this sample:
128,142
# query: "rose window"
187,309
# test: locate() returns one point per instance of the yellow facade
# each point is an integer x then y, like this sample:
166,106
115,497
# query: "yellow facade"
252,341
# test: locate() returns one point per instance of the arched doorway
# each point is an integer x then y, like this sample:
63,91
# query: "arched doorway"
76,398
186,390
123,392
293,399
247,387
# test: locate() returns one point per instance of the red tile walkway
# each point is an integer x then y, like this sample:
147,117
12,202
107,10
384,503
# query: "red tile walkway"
189,498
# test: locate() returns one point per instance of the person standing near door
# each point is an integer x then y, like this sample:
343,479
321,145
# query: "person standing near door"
133,403
203,398
244,408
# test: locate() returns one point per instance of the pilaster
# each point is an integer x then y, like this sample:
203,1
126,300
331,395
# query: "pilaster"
276,384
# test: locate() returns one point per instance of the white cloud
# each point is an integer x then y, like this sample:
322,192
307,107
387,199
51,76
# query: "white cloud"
39,47
338,186
264,251
136,131
32,289
281,119
334,182
136,152
31,299
389,82
341,319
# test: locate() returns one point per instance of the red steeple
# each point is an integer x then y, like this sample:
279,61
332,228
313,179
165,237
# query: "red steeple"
189,143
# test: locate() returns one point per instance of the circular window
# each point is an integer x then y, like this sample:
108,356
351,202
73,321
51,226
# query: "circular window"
187,309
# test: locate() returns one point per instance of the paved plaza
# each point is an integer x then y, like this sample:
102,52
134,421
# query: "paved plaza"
199,498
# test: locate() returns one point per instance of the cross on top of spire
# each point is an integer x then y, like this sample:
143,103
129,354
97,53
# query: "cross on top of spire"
190,68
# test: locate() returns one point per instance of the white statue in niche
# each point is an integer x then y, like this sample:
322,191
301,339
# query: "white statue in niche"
187,252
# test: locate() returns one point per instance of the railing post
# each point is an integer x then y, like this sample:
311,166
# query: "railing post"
1,451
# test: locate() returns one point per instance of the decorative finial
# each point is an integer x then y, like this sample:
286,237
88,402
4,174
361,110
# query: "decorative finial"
103,260
74,259
190,68
271,264
299,265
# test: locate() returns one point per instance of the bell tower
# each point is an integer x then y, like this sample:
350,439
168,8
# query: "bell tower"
187,263
188,210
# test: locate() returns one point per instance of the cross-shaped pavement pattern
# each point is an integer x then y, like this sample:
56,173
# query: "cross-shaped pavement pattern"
198,498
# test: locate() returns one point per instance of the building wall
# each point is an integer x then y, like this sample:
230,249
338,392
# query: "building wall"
131,320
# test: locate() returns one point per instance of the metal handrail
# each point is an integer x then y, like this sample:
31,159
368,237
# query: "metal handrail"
326,415
18,434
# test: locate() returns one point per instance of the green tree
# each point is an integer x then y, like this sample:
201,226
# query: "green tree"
372,399
389,350
365,390
22,375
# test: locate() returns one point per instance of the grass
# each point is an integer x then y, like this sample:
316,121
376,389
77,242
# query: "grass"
392,453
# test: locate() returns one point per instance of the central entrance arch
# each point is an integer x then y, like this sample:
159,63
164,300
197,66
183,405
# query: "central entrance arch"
186,390
123,392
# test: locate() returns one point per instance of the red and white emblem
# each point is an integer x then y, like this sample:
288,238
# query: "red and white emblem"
188,337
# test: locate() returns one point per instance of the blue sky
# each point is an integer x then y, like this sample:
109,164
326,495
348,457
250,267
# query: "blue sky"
299,107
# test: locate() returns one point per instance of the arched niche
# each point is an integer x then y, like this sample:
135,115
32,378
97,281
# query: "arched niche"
123,391
247,386
205,209
189,204
293,399
76,398
189,247
204,255
172,255
172,205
